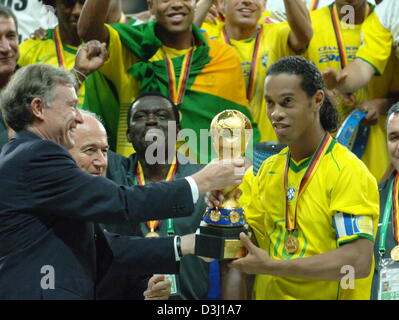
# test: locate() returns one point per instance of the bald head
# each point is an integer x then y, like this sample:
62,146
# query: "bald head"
91,146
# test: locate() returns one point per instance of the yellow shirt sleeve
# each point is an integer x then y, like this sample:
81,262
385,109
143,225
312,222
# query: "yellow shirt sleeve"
363,198
279,37
377,44
119,61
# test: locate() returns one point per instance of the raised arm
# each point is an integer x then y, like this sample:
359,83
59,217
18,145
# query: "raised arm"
301,27
355,76
92,19
201,11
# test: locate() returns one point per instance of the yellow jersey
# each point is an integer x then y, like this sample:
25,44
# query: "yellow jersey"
319,218
323,50
34,51
381,36
227,85
126,85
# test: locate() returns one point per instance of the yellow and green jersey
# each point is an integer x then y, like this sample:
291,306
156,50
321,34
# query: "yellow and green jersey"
381,36
269,45
34,51
324,51
96,94
324,209
215,82
126,85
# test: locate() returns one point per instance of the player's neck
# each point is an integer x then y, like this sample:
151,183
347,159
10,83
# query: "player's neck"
178,41
360,13
237,32
308,144
154,172
69,38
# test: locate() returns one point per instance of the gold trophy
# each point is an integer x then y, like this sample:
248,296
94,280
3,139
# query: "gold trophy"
219,231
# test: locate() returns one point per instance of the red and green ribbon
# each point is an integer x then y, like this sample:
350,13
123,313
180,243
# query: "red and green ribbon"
309,174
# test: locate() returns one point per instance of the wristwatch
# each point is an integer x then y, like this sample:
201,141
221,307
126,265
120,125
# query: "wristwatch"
178,246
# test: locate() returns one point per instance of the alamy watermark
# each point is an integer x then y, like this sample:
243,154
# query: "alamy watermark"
48,280
348,280
196,147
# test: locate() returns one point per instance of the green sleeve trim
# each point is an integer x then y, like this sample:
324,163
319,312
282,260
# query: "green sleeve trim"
376,71
355,237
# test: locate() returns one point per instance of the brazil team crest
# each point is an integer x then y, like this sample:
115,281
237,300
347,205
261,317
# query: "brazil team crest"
291,192
265,60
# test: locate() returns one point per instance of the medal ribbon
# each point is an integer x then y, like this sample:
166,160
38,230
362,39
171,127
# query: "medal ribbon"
58,47
176,93
385,218
152,225
395,202
254,64
338,35
314,5
310,171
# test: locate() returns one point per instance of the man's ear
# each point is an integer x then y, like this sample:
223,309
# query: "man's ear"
319,99
37,107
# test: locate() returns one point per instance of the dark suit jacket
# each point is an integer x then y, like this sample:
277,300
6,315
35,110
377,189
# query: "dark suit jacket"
47,209
390,239
193,276
3,132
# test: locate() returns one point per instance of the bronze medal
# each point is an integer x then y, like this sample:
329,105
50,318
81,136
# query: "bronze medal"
234,217
395,253
291,245
215,215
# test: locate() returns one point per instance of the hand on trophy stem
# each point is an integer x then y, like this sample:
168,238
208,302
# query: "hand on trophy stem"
220,174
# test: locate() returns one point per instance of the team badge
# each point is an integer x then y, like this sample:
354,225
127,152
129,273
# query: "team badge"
264,60
291,193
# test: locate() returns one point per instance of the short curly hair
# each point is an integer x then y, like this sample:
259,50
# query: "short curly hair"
312,81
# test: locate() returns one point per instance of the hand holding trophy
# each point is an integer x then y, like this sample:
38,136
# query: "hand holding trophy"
219,233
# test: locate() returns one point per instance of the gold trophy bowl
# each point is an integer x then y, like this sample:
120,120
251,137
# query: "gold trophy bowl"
219,233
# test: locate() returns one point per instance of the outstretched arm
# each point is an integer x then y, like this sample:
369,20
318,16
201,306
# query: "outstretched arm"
355,76
91,22
301,27
326,266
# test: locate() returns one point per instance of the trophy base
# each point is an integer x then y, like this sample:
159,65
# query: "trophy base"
219,243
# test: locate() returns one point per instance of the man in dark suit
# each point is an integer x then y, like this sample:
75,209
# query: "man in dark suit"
91,151
155,115
49,245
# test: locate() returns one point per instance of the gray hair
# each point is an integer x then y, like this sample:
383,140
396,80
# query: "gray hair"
394,109
91,114
7,12
28,83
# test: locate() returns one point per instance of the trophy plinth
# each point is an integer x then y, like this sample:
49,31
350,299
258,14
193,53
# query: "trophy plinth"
219,243
219,233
